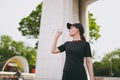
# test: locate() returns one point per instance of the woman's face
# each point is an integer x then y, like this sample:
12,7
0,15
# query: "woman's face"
73,31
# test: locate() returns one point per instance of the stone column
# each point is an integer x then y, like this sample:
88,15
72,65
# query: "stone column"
55,15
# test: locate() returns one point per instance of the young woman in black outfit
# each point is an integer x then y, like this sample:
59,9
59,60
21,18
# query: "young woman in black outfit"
76,50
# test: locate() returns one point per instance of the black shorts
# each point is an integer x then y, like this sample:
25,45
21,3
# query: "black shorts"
68,75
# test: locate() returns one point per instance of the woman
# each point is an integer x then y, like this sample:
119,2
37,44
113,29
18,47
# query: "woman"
76,50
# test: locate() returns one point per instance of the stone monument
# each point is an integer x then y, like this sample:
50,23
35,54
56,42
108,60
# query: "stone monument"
55,15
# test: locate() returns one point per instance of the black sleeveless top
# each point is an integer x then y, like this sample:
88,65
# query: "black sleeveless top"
75,53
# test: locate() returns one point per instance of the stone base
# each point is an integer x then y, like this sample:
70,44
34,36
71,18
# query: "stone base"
99,78
107,78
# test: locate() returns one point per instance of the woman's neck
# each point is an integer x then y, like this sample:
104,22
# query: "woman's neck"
76,38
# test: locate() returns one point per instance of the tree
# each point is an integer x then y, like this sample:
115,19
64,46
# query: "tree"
114,62
101,69
10,48
30,25
6,51
109,66
94,29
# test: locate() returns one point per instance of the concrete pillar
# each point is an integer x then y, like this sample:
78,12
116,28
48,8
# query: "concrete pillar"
55,15
83,16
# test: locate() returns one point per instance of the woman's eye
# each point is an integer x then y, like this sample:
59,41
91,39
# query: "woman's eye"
71,27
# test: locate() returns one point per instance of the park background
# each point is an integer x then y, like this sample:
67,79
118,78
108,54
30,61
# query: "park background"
106,13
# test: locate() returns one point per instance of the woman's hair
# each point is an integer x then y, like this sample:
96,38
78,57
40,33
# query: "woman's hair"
82,37
78,26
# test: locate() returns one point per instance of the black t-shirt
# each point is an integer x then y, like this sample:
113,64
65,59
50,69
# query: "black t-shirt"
75,53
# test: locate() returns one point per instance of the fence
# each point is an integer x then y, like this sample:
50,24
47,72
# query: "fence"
29,76
10,76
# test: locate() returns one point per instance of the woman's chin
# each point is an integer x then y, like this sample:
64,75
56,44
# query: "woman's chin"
71,35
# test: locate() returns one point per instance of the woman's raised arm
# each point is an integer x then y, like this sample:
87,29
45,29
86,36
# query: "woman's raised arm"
54,49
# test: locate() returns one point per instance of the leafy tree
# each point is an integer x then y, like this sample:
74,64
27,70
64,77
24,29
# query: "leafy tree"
29,26
114,59
101,69
10,48
93,28
6,50
109,66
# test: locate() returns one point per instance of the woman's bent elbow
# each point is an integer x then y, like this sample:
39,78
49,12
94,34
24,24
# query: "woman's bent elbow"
54,51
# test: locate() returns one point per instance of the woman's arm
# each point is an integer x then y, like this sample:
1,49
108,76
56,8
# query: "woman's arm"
90,67
54,47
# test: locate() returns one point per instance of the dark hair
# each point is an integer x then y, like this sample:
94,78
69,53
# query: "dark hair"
78,26
82,37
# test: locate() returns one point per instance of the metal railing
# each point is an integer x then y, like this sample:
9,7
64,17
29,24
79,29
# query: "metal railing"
10,76
15,78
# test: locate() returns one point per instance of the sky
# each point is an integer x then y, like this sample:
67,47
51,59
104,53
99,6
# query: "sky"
106,13
11,13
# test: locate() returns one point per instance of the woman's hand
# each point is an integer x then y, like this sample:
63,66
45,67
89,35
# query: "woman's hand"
58,34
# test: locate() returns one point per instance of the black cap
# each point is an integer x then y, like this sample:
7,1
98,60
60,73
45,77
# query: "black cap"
77,25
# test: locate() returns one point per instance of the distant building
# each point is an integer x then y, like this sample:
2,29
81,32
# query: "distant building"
13,63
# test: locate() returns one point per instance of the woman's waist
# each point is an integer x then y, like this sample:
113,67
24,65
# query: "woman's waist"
74,67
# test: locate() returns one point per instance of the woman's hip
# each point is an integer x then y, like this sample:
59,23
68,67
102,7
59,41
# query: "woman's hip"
71,75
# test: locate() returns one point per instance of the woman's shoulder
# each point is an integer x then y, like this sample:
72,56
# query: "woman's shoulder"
81,41
76,41
66,42
87,44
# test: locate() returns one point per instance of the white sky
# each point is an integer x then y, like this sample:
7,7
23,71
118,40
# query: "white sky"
11,12
106,12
